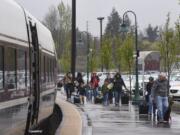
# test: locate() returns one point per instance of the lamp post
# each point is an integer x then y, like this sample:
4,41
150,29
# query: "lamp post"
88,44
100,20
136,97
73,40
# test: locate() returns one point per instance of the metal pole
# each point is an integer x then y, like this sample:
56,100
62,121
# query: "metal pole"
101,19
73,43
136,98
87,54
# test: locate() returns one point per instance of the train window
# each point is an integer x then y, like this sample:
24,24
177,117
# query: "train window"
10,68
50,69
27,70
21,69
1,68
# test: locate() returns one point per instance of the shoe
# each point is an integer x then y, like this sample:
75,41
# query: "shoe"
161,121
165,121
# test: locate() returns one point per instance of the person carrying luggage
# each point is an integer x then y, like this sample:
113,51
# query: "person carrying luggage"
160,94
118,83
148,94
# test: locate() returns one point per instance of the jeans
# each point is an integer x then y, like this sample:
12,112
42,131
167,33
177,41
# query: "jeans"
106,98
89,95
117,97
95,93
162,106
150,105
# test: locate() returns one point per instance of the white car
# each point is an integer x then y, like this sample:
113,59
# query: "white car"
174,92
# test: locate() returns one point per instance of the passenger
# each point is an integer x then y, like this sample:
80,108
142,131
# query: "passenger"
118,83
82,92
105,92
94,84
79,80
110,81
148,94
160,95
69,87
89,92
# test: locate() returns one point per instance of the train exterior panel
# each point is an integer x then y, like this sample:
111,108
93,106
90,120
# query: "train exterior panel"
27,70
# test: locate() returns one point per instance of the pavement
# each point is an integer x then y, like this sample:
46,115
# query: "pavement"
72,122
124,120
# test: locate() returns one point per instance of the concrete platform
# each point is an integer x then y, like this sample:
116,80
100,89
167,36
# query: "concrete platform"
72,121
125,120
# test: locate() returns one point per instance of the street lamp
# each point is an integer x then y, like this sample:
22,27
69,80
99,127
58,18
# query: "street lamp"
73,40
100,20
124,28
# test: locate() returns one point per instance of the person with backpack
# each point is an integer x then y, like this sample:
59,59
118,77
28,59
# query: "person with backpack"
118,83
160,95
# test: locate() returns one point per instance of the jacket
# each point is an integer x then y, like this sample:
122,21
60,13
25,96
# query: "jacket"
160,88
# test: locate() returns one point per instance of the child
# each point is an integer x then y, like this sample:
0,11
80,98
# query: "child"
105,92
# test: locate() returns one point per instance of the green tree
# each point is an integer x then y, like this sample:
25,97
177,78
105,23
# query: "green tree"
168,48
58,20
127,56
152,33
106,54
113,25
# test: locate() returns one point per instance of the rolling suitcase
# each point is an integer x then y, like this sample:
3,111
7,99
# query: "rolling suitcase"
77,99
143,108
125,100
98,100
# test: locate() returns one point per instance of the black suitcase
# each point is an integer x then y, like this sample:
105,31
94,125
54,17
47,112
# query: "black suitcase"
77,99
125,100
98,100
143,108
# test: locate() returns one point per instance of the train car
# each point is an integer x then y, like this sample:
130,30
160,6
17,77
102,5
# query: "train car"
27,70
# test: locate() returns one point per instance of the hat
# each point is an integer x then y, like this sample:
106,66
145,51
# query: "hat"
151,79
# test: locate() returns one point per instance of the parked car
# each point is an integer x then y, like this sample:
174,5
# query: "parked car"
175,92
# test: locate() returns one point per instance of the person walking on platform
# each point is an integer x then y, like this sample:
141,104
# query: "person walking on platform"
160,94
118,83
79,80
148,94
110,81
69,86
105,92
80,86
94,84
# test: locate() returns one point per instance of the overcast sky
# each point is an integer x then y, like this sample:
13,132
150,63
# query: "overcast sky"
148,11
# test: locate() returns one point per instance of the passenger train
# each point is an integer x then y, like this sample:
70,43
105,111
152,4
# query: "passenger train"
27,70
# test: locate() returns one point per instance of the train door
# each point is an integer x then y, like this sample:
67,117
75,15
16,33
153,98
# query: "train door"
34,77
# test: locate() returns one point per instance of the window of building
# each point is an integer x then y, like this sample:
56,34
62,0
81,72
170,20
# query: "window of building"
1,68
10,68
21,69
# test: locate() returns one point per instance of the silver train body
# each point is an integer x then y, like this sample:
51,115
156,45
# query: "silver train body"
27,70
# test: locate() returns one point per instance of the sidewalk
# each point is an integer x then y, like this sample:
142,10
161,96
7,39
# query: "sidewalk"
72,121
125,120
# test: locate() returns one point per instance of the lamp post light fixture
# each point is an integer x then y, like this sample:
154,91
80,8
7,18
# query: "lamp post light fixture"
124,28
100,20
